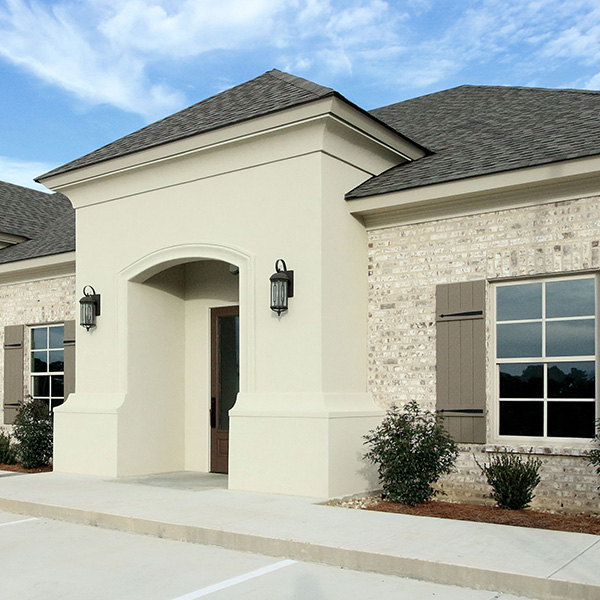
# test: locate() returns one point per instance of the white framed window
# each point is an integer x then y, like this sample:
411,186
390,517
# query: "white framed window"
47,364
545,347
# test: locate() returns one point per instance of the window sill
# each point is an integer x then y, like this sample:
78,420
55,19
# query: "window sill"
543,449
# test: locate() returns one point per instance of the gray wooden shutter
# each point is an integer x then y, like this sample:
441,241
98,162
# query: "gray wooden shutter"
460,364
13,371
69,346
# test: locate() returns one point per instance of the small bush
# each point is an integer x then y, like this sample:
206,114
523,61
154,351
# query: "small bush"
593,456
8,454
412,450
512,479
33,433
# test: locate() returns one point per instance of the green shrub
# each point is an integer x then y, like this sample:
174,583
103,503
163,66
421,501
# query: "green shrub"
512,479
33,433
593,456
412,450
8,455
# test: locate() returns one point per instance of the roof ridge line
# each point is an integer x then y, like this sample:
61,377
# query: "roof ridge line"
527,88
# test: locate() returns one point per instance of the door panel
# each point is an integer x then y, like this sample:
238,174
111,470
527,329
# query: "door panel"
225,380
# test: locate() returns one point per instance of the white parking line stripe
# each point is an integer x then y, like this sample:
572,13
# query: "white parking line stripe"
17,522
235,580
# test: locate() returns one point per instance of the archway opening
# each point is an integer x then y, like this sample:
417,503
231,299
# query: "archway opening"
169,363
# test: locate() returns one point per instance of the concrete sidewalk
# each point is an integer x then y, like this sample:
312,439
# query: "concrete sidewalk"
197,508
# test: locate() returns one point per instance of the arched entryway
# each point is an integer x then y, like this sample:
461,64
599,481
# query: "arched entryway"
179,368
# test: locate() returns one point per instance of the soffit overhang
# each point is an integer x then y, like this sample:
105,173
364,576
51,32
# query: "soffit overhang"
357,124
35,269
554,182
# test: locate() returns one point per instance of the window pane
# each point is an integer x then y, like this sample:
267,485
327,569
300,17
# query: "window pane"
39,362
41,386
517,302
522,418
58,386
522,381
571,298
516,340
57,336
572,380
570,338
57,360
39,338
571,419
228,367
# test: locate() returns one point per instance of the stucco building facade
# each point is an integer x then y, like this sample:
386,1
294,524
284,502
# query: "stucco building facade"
444,249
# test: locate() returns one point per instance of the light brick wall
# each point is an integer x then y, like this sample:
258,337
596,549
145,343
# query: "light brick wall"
568,482
407,262
34,303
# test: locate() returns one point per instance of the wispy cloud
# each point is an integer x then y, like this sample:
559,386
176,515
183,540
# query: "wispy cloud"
22,172
62,45
106,51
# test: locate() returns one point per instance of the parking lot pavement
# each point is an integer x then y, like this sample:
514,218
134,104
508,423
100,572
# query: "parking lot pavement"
47,559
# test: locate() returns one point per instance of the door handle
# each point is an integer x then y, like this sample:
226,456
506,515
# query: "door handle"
213,412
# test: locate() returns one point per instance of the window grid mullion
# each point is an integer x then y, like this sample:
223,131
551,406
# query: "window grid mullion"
545,359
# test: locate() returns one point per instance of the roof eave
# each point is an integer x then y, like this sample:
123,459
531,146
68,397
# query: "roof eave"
332,103
41,267
550,182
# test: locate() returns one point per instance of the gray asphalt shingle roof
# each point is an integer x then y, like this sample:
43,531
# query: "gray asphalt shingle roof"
467,131
271,92
479,130
46,220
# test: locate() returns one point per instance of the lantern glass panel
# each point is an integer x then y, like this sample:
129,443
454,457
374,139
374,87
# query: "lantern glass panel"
88,314
279,289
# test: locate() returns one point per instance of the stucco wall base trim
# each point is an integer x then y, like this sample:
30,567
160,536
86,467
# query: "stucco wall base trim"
86,434
302,444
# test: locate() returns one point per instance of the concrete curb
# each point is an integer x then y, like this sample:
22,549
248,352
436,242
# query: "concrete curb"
385,564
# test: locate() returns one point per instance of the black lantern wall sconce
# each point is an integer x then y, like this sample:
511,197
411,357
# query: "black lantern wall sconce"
89,307
282,287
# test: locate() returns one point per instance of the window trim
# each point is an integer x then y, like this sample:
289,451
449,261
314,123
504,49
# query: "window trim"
494,379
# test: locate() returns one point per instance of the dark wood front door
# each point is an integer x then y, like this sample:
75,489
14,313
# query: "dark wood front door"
225,381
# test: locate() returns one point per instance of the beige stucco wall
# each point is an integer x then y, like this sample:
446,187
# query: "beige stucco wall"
405,265
142,381
37,302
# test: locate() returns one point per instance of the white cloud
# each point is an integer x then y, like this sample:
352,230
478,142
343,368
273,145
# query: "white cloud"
106,51
194,27
56,45
22,172
520,39
102,50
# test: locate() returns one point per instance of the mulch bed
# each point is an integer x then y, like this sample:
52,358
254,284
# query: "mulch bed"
20,469
584,523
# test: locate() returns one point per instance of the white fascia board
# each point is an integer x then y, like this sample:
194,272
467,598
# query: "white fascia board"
553,182
295,116
35,269
376,131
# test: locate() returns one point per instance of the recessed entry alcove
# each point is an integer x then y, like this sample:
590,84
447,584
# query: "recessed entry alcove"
176,376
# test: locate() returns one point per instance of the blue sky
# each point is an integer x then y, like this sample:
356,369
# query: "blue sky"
78,74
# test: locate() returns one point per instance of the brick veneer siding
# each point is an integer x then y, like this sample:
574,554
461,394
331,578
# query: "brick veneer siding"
405,265
34,303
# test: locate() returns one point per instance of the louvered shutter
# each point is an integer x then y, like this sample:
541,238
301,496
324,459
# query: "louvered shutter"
69,346
460,360
13,371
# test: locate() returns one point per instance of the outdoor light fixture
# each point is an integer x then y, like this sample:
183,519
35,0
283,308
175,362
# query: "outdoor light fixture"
282,287
89,307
